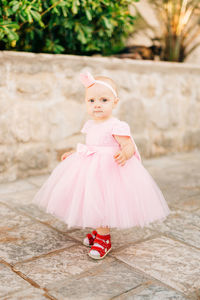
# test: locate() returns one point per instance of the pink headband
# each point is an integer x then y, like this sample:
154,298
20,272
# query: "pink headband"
88,80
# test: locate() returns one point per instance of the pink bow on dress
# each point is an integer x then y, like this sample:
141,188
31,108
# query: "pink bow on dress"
82,148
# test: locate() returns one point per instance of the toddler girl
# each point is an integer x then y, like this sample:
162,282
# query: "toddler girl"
102,184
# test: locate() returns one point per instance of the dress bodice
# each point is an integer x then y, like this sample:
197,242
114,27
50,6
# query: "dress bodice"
102,133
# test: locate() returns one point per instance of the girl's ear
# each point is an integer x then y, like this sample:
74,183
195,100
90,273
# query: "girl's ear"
116,100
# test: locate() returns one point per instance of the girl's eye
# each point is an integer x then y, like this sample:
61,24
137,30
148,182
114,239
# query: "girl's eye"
104,100
91,100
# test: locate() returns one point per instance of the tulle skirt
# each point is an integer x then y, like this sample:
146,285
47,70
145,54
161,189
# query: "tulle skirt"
89,189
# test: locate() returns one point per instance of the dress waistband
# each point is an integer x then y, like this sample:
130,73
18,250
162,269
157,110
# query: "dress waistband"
91,149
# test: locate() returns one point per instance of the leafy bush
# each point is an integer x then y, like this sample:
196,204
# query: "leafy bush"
65,26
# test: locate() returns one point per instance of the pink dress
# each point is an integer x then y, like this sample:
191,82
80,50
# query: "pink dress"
89,189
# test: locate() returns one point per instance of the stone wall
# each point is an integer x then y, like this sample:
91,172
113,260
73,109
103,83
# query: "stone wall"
42,107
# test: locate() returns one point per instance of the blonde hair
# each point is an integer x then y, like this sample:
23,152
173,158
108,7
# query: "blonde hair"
108,80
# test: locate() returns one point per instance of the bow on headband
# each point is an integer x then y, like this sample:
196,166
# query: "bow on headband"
88,80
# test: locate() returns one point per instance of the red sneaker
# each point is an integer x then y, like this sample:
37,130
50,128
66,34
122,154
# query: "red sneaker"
105,242
89,239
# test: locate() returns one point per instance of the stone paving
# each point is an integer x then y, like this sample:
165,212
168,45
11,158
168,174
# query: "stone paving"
41,259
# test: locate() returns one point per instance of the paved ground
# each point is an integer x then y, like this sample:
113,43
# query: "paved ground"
41,259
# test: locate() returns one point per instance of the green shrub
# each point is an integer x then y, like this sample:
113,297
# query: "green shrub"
82,27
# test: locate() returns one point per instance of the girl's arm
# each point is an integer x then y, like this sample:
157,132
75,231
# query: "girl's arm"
127,149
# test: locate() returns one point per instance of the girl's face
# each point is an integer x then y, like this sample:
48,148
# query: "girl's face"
100,101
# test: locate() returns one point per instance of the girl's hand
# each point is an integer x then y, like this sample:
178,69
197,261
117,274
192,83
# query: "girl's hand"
127,149
120,158
66,154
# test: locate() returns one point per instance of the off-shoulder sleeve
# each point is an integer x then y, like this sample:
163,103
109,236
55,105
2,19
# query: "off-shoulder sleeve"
86,126
121,128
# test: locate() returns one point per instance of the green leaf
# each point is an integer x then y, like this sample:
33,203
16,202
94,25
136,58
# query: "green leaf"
64,11
107,23
9,24
1,34
75,4
88,14
30,19
59,49
23,16
81,36
9,12
35,15
15,7
12,35
55,10
41,24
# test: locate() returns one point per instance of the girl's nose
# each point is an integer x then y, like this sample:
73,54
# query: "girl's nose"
97,104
